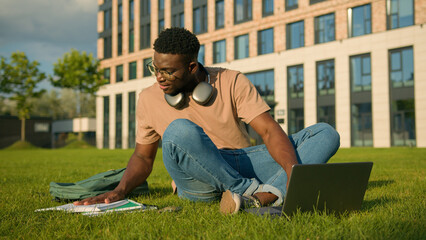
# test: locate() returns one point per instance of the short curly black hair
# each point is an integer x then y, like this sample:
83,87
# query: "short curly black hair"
178,41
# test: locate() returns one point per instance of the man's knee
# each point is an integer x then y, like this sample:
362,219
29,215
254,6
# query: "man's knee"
332,136
179,129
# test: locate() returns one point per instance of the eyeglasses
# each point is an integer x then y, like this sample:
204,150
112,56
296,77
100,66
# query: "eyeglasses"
166,74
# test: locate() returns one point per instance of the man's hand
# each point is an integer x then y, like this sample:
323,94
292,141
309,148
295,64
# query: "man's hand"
107,197
137,171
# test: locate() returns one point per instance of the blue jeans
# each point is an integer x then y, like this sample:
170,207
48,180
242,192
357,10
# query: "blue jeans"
202,172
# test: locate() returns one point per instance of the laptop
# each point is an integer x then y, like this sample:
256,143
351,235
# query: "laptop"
332,187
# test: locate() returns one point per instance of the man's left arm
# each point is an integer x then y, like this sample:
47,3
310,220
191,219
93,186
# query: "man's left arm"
276,141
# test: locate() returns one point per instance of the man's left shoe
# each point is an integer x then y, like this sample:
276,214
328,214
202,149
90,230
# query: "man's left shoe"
231,202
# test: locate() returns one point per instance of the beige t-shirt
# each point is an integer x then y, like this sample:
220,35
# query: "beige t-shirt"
234,102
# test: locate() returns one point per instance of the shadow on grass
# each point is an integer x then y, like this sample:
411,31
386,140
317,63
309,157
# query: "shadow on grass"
379,183
368,205
371,204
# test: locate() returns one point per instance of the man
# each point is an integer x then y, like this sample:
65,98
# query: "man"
206,148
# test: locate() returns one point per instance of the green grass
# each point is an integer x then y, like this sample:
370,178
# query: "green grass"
394,204
78,144
21,145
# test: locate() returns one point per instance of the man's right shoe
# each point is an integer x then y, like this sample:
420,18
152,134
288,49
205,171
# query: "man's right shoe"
231,202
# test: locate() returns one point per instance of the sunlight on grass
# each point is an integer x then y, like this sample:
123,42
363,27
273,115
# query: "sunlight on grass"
393,208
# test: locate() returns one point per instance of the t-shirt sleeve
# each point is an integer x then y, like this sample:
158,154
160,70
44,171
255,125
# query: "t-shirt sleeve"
145,133
248,102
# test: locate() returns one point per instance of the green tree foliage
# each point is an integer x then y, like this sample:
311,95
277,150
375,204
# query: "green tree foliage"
18,79
78,71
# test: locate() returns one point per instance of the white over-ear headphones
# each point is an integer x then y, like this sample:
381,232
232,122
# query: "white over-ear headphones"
202,93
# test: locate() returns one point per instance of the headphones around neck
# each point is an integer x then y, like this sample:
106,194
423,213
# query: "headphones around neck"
201,94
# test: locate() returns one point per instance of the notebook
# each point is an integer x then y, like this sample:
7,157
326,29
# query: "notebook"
333,187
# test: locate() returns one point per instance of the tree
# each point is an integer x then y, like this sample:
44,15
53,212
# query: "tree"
78,71
59,105
18,79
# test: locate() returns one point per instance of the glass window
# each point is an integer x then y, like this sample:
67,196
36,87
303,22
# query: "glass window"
106,123
132,119
360,73
295,81
131,11
118,120
145,8
403,121
145,38
242,11
359,20
324,28
132,70
160,5
315,1
219,51
178,20
120,14
120,44
242,46
327,114
107,74
267,7
146,72
182,20
131,40
200,19
325,77
119,73
220,14
296,121
295,35
107,19
107,47
178,15
265,41
201,55
160,25
401,67
400,13
291,4
362,125
264,83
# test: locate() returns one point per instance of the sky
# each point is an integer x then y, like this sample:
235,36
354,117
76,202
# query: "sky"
46,29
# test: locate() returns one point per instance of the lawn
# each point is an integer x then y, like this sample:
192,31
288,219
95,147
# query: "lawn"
394,205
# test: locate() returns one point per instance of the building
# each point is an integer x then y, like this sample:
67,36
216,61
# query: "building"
62,128
37,131
356,64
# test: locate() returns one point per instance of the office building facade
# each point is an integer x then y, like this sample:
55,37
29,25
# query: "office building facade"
358,65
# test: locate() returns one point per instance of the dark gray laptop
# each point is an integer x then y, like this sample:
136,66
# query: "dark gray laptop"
333,187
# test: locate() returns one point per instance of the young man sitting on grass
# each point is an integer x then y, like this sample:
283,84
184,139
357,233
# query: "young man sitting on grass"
206,148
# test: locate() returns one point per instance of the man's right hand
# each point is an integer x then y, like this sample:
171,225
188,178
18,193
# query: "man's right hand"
107,197
137,171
